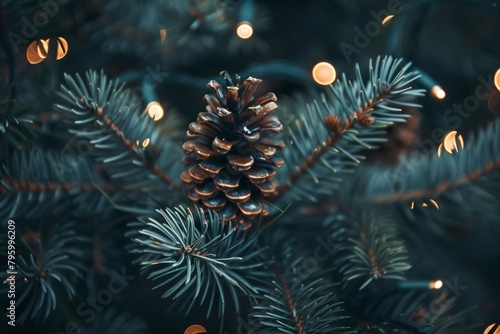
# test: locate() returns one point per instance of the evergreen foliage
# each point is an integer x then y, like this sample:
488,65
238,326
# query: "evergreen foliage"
305,210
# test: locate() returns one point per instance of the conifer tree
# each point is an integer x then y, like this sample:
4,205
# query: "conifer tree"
220,166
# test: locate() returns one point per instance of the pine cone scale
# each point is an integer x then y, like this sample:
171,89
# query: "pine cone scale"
221,146
218,91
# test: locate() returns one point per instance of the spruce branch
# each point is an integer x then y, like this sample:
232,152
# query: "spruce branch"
48,260
296,303
370,247
15,127
416,312
354,116
479,158
433,186
33,179
125,140
198,256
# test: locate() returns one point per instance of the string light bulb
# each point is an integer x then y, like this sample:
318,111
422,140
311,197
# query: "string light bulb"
492,329
387,19
420,285
497,79
38,50
244,30
324,73
438,92
62,48
163,34
155,110
450,143
436,285
195,329
434,203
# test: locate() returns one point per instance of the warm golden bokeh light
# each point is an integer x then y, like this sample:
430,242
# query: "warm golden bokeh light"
438,92
62,48
145,143
450,143
42,48
387,19
195,329
244,30
497,79
33,54
489,329
324,73
38,50
434,203
436,285
163,34
425,205
155,110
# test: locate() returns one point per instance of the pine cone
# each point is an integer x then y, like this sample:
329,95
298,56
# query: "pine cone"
231,151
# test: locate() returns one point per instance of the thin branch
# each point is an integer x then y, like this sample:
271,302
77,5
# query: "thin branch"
334,124
26,186
290,301
440,188
132,148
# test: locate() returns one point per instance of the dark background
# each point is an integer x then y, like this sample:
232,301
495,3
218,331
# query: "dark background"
452,42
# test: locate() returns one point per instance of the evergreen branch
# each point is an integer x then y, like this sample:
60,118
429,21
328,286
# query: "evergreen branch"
198,254
370,247
34,178
429,188
415,312
124,140
479,158
15,129
354,116
191,26
296,305
46,262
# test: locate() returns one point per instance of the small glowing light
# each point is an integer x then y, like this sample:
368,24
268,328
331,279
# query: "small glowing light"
450,143
244,30
155,110
62,48
145,143
387,19
163,34
434,203
424,205
438,92
492,329
26,280
324,73
436,285
42,48
497,79
412,205
195,329
37,51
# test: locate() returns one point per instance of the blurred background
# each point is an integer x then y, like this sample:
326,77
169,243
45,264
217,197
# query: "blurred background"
168,50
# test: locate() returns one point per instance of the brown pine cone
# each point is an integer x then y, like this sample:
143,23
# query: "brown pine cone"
231,151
